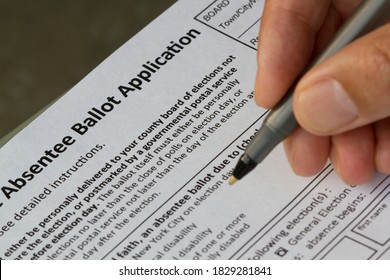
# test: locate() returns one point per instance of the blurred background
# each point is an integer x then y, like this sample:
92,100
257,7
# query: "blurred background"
47,46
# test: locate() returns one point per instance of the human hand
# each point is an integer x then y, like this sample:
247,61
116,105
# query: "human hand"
342,104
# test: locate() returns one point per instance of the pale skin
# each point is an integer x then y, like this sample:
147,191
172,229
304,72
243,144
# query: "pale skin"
343,104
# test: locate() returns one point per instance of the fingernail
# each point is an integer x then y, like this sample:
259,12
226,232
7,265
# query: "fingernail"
325,107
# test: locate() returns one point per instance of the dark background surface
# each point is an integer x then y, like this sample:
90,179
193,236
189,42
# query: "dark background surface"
47,46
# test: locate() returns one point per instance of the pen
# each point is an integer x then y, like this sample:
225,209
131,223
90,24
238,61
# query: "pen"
280,122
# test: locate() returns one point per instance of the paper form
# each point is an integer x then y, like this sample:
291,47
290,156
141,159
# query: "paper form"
132,163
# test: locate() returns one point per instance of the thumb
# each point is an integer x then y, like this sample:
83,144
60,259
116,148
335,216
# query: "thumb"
348,90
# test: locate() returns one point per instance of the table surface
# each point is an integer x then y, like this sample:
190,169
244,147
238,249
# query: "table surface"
48,46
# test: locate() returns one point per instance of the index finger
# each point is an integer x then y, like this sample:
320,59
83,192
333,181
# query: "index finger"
287,36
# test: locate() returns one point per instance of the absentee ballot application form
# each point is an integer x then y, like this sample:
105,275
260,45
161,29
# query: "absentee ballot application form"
132,163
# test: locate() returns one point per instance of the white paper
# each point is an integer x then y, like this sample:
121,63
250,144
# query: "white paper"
133,162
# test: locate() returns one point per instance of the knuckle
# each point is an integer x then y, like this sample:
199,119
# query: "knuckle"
378,60
375,73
